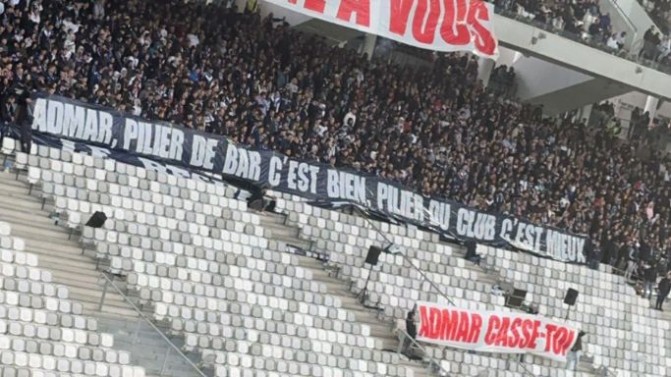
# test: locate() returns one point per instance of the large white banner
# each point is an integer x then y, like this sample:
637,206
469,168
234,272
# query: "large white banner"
441,25
489,331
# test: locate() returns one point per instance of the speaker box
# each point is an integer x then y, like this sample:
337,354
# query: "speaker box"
373,255
97,220
516,299
571,296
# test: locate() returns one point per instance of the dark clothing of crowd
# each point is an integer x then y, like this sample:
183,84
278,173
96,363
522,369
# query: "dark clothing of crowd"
585,20
263,84
660,12
663,289
581,18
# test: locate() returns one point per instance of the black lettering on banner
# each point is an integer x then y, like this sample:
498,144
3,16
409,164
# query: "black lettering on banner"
173,149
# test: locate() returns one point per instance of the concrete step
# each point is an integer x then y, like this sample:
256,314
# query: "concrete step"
270,217
293,241
380,330
63,257
147,347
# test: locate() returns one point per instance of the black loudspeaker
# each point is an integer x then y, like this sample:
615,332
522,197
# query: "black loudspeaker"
571,296
97,220
373,255
516,299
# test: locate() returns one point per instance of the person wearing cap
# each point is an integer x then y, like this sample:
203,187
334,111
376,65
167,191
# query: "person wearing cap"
663,289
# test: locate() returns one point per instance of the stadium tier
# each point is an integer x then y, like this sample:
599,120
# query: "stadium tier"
221,281
191,189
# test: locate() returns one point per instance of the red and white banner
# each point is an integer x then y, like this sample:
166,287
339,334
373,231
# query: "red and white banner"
499,332
441,25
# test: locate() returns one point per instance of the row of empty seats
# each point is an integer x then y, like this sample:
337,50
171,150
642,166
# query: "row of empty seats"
624,334
42,332
199,250
397,284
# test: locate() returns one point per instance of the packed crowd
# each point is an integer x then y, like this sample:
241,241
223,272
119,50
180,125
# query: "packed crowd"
260,83
660,12
581,18
585,20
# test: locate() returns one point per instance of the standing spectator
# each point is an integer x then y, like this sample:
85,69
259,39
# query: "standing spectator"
471,254
411,330
649,279
23,119
632,263
663,290
575,353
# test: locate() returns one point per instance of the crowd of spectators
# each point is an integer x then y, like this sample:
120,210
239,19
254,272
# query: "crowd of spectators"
660,12
656,46
260,83
579,18
502,82
585,20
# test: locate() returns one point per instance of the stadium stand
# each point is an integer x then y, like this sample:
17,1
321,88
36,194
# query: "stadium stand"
43,331
230,297
196,283
206,283
659,12
563,174
586,22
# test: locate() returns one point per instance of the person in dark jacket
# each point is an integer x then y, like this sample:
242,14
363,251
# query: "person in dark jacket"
663,290
649,276
411,329
23,119
575,353
471,254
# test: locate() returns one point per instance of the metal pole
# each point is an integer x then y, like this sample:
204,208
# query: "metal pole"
165,362
102,298
401,343
405,258
364,291
156,329
137,330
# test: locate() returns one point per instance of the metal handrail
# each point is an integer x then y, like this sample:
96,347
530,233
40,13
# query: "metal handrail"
407,259
433,360
151,324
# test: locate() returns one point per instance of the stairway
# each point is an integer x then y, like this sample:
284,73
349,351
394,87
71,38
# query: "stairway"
288,235
288,241
62,256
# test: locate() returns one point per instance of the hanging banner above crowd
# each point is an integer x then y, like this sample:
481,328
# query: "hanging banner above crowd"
441,25
488,331
141,142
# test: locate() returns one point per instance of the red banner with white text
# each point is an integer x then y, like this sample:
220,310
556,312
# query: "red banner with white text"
499,332
441,25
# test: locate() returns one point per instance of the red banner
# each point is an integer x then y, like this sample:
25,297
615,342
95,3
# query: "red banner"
441,25
499,332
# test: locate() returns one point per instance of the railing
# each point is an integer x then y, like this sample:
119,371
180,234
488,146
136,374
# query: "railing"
171,361
434,366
